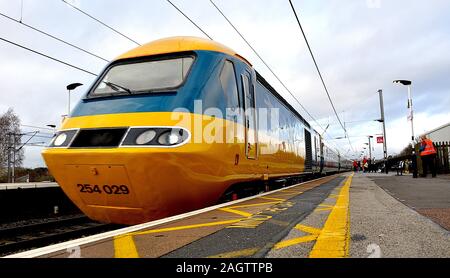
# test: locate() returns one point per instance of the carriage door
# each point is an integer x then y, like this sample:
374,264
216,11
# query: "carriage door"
250,116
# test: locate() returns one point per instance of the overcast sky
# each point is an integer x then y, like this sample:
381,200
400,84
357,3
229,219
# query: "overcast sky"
360,45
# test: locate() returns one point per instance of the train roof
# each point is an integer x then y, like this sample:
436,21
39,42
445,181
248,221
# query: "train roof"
179,44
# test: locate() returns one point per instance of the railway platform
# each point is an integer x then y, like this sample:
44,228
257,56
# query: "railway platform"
28,185
355,215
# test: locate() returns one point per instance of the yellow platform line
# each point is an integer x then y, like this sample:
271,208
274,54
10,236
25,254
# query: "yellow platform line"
236,254
287,193
235,211
292,191
324,208
124,247
314,233
179,228
308,229
335,196
294,241
270,198
334,239
254,205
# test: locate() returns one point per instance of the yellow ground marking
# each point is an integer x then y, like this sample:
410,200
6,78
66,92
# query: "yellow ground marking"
287,193
313,234
333,241
209,224
235,211
294,241
324,208
270,198
124,247
235,254
308,229
292,191
335,196
254,205
251,222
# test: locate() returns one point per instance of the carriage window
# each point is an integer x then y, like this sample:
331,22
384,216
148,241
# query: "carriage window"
229,85
144,76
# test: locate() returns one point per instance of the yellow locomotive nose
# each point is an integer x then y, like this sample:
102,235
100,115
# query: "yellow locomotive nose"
130,185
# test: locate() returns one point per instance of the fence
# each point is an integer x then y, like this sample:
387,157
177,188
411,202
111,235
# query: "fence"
443,157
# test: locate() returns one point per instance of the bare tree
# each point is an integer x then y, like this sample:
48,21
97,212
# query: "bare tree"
10,139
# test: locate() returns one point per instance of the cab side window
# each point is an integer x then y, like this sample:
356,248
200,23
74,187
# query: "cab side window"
229,86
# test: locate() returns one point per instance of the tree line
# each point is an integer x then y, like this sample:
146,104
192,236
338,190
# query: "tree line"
10,142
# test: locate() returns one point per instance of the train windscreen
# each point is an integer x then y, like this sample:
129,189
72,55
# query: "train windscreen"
144,76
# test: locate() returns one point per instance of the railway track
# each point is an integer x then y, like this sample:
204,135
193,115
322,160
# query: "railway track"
22,238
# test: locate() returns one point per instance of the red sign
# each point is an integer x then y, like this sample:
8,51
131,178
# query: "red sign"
380,140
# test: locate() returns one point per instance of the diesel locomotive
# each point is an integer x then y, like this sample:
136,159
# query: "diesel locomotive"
176,125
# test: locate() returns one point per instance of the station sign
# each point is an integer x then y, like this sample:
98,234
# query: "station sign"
380,140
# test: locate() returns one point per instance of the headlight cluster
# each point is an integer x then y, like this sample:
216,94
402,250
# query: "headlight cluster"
155,137
121,137
63,138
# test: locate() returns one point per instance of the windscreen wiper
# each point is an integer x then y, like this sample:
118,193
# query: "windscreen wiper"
117,88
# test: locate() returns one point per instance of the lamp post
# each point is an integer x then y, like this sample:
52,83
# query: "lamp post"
410,106
411,118
70,88
382,120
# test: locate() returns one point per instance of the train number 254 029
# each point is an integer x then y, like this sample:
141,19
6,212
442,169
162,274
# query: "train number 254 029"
107,189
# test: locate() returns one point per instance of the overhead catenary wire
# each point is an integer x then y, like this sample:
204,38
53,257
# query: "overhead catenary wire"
111,28
53,37
317,66
188,18
318,71
270,69
259,56
38,127
265,63
48,57
38,136
100,22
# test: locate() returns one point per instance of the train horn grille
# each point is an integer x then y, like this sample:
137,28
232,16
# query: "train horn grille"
99,138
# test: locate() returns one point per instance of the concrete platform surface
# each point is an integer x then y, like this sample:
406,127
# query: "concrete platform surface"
29,185
382,226
428,196
347,215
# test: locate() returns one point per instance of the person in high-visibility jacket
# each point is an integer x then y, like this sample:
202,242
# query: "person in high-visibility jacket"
428,155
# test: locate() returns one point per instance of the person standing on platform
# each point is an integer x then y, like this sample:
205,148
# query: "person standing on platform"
428,155
400,168
364,164
355,166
